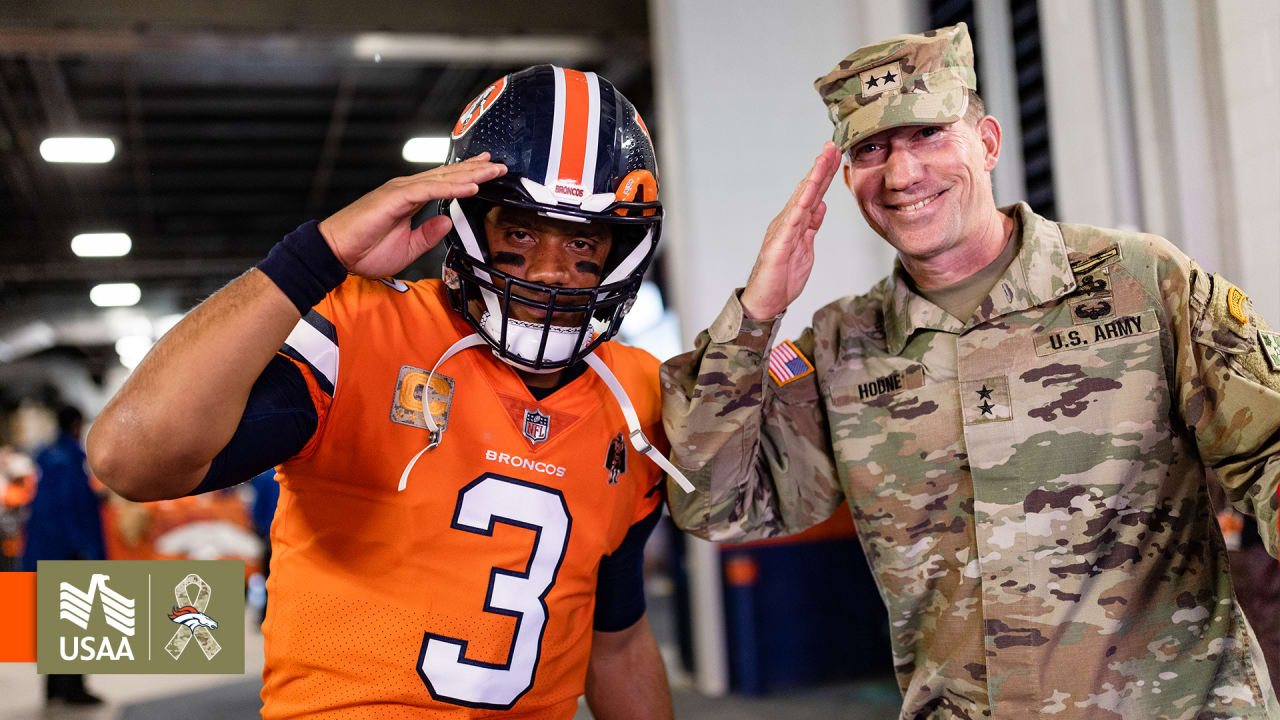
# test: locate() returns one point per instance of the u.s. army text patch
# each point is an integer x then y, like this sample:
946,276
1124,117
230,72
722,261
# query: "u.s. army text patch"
1073,338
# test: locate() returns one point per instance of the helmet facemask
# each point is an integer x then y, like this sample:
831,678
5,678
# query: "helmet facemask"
575,321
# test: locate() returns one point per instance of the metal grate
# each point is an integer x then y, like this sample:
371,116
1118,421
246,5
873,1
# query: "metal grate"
949,12
1029,75
1032,106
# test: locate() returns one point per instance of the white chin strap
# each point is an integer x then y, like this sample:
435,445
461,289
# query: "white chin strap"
638,440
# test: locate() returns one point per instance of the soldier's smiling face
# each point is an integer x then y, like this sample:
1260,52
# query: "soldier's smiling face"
553,252
926,188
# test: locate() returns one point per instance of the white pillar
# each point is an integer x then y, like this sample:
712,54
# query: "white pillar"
1245,68
740,127
1074,80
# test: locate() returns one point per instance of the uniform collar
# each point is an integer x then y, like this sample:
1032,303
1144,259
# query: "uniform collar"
1039,273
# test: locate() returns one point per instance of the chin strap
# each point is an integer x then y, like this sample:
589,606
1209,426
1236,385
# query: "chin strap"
638,440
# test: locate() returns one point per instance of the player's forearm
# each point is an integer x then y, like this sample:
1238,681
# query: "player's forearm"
626,679
181,405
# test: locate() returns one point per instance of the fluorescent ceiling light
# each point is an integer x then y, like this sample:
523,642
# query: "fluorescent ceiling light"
502,50
101,244
77,150
132,348
426,150
115,294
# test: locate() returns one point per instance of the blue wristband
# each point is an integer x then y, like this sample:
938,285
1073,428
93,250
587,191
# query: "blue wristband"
303,266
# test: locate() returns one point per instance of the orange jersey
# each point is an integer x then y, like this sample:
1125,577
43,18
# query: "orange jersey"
471,592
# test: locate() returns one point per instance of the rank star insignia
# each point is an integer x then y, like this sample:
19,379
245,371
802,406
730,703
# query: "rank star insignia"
880,79
994,403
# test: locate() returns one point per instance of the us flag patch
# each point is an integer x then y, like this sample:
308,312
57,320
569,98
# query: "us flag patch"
787,364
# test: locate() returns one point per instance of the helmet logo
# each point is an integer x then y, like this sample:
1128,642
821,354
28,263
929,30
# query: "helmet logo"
477,107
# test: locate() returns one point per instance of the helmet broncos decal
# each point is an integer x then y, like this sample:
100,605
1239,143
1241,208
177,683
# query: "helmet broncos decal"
576,150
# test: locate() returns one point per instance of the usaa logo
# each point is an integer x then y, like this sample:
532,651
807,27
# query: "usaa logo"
140,616
76,606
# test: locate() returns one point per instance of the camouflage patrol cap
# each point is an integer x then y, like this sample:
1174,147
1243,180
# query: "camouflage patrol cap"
905,80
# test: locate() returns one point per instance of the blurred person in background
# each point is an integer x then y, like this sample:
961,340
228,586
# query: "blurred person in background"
17,488
65,523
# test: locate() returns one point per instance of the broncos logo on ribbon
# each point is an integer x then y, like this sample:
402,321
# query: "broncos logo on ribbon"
192,618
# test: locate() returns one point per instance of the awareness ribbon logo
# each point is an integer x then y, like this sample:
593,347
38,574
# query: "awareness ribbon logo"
190,614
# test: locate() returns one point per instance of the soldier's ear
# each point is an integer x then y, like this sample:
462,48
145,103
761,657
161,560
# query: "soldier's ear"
989,133
846,171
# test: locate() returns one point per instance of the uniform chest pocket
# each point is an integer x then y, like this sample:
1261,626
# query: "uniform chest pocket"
1095,372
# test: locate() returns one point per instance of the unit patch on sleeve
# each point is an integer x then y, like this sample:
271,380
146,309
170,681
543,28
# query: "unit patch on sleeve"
787,363
413,393
1270,343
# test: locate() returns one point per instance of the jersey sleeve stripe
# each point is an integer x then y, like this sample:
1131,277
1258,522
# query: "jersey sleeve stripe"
317,347
322,324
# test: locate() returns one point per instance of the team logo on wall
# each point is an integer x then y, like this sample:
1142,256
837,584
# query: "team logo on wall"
118,616
537,426
615,460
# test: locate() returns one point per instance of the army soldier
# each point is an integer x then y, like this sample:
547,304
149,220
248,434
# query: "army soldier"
1021,418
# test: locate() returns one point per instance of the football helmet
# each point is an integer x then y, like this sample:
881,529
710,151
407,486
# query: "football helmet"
576,150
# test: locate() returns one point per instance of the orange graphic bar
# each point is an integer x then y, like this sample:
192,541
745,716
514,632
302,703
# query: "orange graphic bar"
17,617
577,106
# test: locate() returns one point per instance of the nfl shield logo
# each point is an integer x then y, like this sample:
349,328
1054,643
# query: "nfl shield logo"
536,426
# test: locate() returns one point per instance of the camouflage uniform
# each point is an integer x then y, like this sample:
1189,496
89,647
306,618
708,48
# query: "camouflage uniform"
1028,484
1033,477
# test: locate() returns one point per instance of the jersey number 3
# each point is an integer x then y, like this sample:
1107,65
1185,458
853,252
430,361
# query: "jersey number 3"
442,663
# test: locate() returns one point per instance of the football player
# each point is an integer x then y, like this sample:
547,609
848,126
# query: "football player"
456,532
